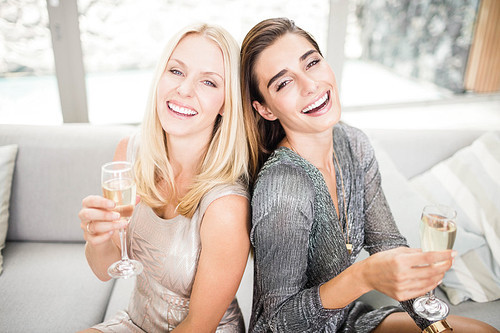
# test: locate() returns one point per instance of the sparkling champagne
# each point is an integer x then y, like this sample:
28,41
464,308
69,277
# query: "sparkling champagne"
437,233
121,191
117,179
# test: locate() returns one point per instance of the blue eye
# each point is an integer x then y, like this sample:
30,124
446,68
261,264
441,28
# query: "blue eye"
175,72
209,83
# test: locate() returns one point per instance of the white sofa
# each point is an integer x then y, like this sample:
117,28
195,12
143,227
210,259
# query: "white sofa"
46,284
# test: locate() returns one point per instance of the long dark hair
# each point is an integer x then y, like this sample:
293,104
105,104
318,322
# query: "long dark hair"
262,35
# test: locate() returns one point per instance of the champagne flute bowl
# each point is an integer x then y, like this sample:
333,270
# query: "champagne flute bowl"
117,180
437,233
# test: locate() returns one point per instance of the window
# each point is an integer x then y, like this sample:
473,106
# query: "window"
28,86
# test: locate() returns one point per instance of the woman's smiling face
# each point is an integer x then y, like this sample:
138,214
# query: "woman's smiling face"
297,85
190,92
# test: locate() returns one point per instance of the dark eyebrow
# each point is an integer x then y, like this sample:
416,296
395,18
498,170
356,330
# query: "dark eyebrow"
277,76
282,72
305,55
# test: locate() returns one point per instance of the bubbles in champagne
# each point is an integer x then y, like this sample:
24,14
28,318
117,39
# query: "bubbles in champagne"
121,191
437,233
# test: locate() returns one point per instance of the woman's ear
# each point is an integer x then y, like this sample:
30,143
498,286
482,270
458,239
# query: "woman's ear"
264,111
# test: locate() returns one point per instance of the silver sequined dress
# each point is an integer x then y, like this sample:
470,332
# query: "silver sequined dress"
299,244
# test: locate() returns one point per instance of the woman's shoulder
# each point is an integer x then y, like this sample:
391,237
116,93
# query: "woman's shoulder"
357,141
238,189
282,160
284,167
351,133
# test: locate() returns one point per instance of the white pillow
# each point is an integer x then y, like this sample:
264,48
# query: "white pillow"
469,181
407,204
7,162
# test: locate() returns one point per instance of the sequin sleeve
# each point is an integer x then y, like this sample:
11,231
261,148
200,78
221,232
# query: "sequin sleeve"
381,232
280,235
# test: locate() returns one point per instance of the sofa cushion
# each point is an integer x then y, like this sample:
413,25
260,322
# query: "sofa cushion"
48,287
469,181
56,167
407,204
414,151
7,161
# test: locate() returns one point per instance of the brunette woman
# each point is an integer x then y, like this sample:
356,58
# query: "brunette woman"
318,202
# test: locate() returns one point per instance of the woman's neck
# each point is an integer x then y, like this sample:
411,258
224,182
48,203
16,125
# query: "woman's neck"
185,156
317,148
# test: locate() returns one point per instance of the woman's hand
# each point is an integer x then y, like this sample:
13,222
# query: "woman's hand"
99,223
98,220
403,273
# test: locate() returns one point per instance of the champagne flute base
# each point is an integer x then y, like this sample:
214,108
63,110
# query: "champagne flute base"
432,310
123,269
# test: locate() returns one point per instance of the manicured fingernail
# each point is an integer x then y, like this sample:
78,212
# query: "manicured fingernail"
116,216
111,232
453,254
110,204
440,282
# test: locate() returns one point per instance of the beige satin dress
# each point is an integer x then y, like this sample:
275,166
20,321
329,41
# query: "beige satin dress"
169,249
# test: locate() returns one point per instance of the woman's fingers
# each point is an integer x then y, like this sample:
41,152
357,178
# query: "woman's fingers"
97,219
97,201
99,239
404,273
427,258
92,214
97,208
99,227
97,232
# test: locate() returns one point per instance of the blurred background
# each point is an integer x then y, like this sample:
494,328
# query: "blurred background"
399,63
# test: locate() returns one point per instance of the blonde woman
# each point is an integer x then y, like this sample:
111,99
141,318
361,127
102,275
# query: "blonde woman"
190,229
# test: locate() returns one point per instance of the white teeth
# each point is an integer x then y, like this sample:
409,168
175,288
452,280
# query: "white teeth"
316,104
180,109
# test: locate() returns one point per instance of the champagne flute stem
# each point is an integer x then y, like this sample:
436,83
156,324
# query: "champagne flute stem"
431,296
123,244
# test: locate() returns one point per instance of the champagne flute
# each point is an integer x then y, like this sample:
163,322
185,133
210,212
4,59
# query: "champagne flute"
117,180
437,233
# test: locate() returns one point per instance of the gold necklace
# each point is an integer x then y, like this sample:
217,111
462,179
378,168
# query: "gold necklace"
348,244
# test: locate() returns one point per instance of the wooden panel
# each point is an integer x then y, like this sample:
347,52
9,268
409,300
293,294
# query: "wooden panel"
483,68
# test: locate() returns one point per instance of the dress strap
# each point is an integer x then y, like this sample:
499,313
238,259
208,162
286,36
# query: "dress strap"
220,191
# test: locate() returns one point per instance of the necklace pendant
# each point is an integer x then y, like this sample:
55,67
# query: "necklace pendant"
349,247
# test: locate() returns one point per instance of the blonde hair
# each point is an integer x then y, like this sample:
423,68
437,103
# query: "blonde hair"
226,159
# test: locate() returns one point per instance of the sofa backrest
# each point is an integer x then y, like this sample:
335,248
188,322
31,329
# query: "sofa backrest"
56,167
415,151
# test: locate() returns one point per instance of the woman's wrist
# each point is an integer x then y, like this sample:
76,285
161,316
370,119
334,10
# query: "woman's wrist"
437,327
364,274
341,291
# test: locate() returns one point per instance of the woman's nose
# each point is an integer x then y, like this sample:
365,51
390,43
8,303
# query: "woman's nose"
309,85
185,88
